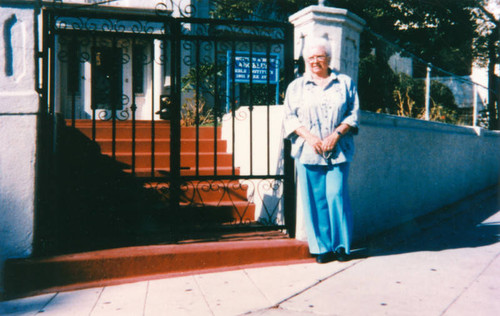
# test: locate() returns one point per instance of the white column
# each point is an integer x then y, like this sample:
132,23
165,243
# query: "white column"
18,130
341,27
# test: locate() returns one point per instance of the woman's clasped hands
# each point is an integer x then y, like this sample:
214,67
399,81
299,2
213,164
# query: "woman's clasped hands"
322,146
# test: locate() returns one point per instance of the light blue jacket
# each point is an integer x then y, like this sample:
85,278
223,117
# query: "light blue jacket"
321,110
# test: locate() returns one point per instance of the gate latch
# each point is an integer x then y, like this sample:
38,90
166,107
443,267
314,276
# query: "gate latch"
165,102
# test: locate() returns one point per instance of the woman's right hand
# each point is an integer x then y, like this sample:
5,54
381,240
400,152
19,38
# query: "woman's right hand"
316,143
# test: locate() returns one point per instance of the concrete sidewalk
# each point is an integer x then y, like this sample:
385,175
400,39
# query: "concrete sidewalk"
447,264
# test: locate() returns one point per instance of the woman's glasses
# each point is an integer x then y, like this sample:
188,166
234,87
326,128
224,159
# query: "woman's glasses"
316,58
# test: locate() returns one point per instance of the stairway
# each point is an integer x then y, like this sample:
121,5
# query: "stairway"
126,257
227,199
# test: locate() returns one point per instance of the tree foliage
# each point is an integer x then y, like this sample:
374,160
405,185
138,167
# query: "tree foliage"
441,32
263,10
449,34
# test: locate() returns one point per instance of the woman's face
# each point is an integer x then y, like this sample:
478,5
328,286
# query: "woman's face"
318,61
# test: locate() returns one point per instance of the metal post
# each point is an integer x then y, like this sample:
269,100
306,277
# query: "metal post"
289,193
474,105
290,207
428,92
492,91
175,118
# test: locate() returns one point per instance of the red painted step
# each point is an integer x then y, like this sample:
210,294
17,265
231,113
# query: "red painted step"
122,265
202,171
226,212
124,130
162,160
161,145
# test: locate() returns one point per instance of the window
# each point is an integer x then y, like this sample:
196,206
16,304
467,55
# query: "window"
107,87
73,77
138,58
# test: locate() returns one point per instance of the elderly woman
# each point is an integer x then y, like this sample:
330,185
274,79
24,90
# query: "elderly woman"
321,117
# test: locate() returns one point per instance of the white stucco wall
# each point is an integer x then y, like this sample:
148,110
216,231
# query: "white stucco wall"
264,151
17,174
405,168
18,123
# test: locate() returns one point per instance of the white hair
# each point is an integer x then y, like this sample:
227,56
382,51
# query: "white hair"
312,42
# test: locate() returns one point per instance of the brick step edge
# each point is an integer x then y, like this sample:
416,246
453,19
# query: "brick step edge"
161,173
122,265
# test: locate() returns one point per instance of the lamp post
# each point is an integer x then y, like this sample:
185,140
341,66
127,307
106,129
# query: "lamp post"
428,93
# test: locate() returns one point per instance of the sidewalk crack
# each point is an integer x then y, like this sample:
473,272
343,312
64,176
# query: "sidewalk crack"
42,310
316,283
203,294
277,305
145,299
466,288
255,285
96,301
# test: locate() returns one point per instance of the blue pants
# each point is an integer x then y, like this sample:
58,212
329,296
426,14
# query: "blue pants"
327,210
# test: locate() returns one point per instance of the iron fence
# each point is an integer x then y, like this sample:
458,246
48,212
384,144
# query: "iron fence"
182,108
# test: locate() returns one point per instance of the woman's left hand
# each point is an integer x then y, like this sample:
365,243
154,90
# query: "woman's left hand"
330,142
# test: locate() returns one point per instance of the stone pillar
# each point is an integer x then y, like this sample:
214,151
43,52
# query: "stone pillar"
341,27
19,108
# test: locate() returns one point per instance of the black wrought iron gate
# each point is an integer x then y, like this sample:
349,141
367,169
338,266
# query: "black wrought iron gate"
184,112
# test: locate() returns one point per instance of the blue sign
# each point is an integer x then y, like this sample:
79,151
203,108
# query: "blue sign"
260,67
264,68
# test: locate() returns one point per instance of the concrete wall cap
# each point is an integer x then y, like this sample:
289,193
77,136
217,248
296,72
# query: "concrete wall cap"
387,120
327,14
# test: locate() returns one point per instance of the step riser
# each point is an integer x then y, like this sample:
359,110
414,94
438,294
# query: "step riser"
163,172
163,160
226,212
220,195
102,267
146,133
144,146
138,123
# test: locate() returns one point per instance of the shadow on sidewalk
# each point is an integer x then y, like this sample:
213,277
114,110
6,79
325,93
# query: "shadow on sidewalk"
460,225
